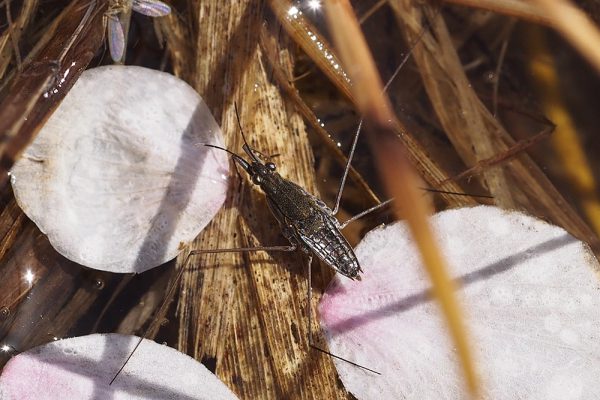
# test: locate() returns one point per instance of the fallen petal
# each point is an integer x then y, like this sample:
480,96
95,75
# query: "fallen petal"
151,8
532,297
118,177
116,38
81,368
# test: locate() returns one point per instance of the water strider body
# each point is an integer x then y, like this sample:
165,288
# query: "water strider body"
304,219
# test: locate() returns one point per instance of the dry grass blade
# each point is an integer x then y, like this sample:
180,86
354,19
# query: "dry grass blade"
514,8
562,15
468,129
45,79
13,33
395,169
575,26
512,152
374,8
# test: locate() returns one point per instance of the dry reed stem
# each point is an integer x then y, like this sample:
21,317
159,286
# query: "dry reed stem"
466,126
395,169
62,295
575,26
466,119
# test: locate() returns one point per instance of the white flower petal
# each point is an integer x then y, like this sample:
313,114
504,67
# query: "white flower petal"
532,299
118,177
82,367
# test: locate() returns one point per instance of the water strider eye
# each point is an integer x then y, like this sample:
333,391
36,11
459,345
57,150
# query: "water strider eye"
256,179
271,166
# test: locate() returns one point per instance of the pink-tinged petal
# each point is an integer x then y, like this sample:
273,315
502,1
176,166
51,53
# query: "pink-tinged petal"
125,179
151,8
116,38
81,368
530,291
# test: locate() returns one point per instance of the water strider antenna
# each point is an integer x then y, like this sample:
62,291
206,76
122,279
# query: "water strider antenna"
246,146
236,157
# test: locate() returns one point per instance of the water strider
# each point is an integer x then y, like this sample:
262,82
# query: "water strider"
305,221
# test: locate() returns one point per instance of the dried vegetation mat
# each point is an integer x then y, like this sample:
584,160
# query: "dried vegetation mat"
498,100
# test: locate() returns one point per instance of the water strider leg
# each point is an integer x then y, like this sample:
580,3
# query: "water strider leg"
365,212
171,290
309,313
241,250
388,201
309,296
338,197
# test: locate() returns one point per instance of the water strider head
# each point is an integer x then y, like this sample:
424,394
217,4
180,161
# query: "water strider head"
261,173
